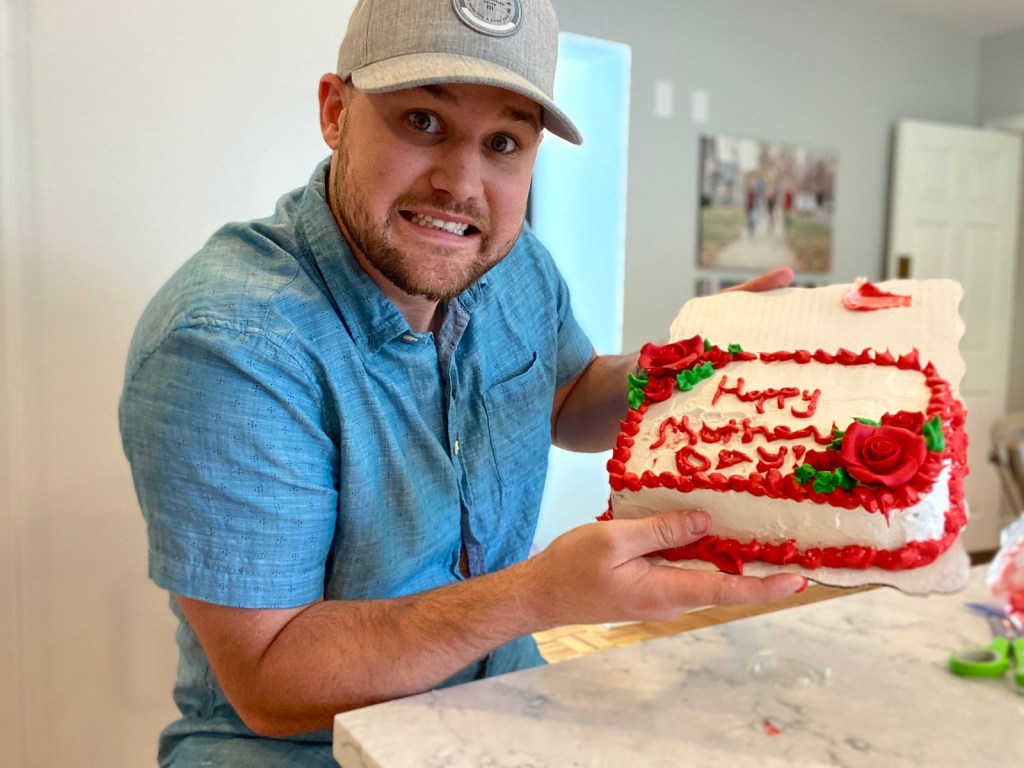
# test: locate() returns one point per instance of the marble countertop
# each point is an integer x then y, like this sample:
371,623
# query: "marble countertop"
860,680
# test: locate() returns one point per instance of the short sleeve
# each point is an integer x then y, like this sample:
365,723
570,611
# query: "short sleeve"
574,348
234,465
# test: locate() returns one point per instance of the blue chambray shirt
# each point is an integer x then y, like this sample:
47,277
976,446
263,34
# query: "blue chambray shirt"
292,439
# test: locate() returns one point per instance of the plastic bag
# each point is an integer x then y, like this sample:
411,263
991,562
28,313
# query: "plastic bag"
1006,572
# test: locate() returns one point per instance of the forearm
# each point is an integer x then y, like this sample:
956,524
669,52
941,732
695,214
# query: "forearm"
290,671
588,416
334,656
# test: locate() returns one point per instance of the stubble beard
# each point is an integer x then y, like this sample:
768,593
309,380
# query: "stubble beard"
373,241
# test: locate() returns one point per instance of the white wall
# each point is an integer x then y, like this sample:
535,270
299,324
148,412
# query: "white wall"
145,126
11,168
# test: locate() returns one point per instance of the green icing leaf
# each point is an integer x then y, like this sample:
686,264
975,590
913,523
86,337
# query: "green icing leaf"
869,422
686,379
636,389
844,478
825,482
735,349
636,397
804,473
707,345
934,440
640,380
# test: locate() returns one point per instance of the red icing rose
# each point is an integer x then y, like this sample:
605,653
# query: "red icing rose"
823,461
911,420
717,356
887,455
661,389
671,358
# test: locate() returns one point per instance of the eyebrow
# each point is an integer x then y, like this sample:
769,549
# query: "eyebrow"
441,93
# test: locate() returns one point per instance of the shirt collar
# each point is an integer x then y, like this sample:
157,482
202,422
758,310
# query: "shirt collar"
369,314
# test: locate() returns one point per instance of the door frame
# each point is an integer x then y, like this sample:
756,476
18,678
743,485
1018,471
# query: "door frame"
13,108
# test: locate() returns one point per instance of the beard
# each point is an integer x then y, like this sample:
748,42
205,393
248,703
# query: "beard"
447,275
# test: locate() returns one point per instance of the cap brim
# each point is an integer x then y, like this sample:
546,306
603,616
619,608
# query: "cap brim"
415,70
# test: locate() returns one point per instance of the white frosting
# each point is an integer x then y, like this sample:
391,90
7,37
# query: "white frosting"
744,517
846,392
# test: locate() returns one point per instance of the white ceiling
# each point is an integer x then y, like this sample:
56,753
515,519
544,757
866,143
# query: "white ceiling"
978,17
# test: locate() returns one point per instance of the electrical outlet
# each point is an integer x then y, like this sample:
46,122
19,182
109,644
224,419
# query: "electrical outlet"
664,98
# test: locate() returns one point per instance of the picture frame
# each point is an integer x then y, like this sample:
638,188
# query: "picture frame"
765,204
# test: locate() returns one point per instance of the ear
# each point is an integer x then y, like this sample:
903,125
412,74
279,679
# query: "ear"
333,95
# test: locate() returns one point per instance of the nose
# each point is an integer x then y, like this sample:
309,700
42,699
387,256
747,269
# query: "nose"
459,171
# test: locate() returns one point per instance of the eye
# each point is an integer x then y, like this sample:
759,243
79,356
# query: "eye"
503,144
424,121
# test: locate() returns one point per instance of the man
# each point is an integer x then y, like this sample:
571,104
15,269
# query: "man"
338,417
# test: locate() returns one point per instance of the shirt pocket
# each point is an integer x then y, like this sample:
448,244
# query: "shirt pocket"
518,411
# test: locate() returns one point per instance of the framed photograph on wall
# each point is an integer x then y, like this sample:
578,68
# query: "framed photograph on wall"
764,205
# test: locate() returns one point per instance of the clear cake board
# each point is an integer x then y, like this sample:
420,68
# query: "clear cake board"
815,318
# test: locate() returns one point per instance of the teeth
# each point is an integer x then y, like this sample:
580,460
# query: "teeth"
448,226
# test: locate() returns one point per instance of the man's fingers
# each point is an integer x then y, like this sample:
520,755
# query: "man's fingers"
671,529
779,277
707,588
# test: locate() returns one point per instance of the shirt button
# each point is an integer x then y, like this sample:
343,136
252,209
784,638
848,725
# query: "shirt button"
456,447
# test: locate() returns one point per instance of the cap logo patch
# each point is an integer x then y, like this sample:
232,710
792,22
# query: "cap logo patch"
498,18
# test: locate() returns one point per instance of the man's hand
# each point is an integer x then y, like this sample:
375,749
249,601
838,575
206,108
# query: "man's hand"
599,573
780,277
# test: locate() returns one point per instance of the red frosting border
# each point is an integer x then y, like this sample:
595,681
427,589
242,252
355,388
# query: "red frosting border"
729,555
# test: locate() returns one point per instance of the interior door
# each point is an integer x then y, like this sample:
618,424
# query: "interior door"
954,214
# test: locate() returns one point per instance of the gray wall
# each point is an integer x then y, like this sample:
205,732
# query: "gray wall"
1001,80
827,74
1000,95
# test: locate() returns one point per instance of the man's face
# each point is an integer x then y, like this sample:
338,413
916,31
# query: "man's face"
430,184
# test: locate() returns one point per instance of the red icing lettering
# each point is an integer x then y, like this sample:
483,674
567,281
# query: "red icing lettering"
782,432
755,395
749,430
700,462
676,426
770,460
812,399
731,458
721,434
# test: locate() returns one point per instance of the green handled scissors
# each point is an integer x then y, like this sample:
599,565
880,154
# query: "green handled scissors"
994,659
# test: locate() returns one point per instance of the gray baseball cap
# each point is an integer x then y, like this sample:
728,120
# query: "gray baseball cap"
510,44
